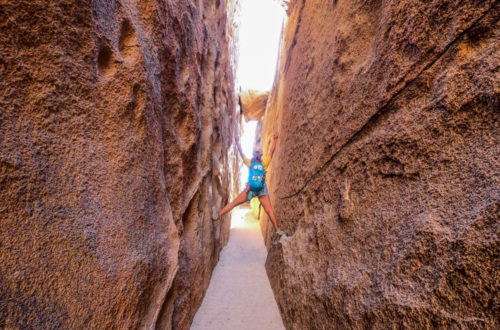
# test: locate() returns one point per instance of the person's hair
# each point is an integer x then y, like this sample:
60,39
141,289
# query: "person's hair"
256,158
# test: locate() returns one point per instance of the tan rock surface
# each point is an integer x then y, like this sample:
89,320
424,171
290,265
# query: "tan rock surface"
253,104
115,138
387,170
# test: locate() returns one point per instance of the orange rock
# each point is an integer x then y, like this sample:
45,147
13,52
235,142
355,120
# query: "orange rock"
115,139
253,104
400,100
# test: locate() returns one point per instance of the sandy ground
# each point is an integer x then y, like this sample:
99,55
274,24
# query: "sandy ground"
240,296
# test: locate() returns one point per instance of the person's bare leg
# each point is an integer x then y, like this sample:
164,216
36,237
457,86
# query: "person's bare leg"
240,199
265,201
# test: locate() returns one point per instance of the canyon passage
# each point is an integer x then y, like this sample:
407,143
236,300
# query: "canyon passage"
117,121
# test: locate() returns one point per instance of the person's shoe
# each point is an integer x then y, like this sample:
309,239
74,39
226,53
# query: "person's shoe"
279,234
215,214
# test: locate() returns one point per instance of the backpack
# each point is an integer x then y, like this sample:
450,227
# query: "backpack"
256,176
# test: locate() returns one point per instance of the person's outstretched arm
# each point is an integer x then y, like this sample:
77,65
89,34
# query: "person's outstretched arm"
237,140
273,146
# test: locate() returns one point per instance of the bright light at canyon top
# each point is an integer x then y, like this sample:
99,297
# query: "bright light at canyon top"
260,29
259,39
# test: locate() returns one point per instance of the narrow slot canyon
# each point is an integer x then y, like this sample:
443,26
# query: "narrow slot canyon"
120,124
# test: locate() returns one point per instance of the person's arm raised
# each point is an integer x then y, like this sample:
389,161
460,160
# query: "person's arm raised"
237,140
273,146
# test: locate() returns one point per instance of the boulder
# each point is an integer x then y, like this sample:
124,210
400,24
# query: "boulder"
253,104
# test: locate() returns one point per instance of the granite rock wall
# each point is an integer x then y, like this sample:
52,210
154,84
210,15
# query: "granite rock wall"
386,176
116,125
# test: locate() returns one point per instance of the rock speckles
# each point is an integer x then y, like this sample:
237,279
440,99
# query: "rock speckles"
400,101
115,139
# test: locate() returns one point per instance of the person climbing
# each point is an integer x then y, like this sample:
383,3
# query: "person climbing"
256,186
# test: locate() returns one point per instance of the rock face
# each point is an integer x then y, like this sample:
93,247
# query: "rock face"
387,171
115,139
253,104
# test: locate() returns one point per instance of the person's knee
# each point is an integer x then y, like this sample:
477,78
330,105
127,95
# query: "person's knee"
267,209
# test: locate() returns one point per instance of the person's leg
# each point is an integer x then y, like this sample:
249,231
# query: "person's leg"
240,199
265,201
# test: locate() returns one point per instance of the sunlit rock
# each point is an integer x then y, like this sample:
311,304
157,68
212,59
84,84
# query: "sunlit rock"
253,104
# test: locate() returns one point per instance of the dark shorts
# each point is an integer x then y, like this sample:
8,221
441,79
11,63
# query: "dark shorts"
262,192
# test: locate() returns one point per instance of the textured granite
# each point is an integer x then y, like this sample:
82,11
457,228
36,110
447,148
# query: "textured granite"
115,139
386,176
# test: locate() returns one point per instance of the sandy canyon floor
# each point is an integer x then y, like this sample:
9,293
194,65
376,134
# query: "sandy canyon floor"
239,295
